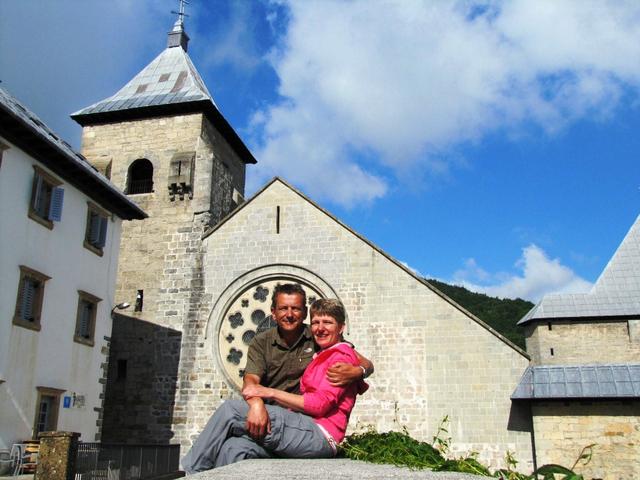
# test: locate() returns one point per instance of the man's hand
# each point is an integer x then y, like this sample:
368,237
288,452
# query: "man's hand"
258,421
341,374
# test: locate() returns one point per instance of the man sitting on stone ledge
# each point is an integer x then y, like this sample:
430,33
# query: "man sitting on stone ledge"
276,362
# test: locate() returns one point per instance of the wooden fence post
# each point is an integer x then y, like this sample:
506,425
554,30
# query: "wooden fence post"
57,456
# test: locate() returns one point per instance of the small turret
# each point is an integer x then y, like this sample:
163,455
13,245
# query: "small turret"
177,36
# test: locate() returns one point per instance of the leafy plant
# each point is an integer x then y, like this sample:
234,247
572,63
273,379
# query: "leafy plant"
400,449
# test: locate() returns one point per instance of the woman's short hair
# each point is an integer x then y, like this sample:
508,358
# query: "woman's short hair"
329,306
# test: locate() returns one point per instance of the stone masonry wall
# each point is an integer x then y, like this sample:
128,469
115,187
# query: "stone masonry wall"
582,342
142,373
158,254
432,359
563,429
162,255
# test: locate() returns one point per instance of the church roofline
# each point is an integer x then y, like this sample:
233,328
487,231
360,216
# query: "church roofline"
205,107
377,249
24,129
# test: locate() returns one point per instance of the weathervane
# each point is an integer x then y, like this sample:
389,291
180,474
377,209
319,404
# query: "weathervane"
181,13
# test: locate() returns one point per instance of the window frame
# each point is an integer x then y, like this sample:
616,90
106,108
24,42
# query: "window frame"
103,215
54,183
56,393
37,302
85,297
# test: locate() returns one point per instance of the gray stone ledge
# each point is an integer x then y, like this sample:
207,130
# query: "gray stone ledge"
334,469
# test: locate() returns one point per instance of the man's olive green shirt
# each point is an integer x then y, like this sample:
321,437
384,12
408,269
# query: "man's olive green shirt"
278,365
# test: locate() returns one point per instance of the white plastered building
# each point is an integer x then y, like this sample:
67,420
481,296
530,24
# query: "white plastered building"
59,241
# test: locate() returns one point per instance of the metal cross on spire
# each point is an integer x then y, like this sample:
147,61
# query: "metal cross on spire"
181,13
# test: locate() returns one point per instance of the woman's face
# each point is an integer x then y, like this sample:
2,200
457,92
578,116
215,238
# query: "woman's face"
326,330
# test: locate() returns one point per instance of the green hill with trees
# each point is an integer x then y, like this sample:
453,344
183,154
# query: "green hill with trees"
501,314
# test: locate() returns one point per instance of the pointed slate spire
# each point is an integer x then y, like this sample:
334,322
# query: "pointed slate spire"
170,79
169,85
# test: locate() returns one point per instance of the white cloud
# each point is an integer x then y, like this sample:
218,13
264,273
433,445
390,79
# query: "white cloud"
373,87
539,275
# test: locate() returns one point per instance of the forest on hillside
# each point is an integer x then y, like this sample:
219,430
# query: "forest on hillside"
501,314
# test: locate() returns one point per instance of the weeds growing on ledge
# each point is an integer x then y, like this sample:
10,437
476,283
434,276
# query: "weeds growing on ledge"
398,448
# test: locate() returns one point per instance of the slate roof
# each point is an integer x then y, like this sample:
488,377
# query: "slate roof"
169,78
579,382
23,128
169,85
615,294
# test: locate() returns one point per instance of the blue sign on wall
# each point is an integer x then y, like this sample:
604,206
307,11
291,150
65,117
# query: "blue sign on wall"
66,402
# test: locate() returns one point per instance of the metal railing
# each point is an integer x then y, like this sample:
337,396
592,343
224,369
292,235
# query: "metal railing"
99,461
144,185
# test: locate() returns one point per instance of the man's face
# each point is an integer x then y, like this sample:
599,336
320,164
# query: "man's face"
290,312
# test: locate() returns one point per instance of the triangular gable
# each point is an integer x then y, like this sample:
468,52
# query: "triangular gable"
367,242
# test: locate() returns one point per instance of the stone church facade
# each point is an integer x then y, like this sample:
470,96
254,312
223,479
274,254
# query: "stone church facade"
202,267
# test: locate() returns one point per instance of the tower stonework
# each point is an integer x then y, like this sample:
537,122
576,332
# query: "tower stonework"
162,140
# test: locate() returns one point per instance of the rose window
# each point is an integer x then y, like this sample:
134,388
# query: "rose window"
248,315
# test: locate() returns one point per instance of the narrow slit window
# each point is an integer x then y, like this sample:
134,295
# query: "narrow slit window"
122,369
278,219
139,301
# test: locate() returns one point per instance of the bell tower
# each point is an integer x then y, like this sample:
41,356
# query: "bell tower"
162,139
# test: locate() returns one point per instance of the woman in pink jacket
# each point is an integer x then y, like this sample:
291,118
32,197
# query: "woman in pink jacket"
309,425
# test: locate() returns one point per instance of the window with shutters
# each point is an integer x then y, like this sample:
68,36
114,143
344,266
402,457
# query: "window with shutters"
30,296
96,232
86,318
46,198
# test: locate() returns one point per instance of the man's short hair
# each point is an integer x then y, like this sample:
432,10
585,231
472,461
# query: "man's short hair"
331,307
288,289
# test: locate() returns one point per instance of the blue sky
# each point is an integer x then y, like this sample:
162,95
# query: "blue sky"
485,143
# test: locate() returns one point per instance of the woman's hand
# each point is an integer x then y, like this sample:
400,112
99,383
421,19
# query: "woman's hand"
251,391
